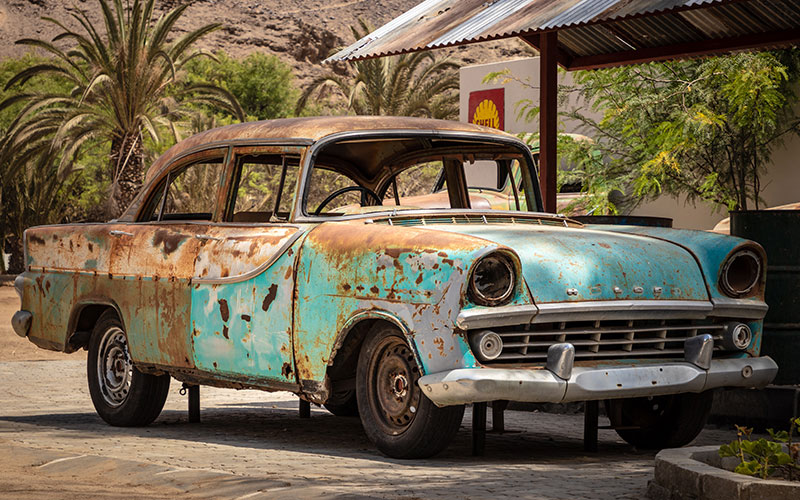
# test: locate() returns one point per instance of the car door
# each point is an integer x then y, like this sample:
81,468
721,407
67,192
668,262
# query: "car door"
243,280
153,259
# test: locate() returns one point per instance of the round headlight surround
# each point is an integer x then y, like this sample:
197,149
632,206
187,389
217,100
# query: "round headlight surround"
741,273
493,280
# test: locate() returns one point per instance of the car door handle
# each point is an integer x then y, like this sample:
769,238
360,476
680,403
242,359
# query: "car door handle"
117,233
205,237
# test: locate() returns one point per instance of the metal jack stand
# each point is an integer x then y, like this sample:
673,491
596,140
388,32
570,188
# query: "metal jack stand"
194,401
591,411
478,429
305,409
498,416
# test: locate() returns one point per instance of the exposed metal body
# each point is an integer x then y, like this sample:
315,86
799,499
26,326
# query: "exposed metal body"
283,305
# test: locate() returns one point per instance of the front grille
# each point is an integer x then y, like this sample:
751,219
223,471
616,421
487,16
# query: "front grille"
602,340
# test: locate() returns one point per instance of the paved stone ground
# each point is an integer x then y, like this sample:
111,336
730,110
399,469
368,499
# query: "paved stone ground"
252,444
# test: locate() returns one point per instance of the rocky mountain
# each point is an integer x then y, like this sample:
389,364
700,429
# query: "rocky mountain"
301,32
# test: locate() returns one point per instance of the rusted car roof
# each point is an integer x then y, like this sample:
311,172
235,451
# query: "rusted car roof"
586,28
310,129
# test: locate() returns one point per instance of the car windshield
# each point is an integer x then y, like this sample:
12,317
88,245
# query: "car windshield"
412,173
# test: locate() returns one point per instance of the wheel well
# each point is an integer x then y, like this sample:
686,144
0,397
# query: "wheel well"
82,324
342,371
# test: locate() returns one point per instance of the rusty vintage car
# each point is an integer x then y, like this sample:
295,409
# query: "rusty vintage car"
288,255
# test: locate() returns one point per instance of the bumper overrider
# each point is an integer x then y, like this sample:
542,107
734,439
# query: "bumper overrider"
560,381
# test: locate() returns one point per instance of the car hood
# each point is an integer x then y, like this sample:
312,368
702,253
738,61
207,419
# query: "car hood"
595,265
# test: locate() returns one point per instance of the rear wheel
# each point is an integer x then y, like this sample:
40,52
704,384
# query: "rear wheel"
122,395
397,417
660,421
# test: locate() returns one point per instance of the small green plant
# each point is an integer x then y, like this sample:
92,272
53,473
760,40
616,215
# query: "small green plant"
766,457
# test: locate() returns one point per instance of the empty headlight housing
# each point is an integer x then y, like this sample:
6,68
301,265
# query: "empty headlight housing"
736,336
492,280
741,273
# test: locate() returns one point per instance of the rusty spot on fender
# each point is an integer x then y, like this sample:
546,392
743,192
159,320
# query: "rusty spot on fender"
273,292
171,241
224,312
604,245
286,370
439,342
246,317
419,279
346,287
374,289
225,332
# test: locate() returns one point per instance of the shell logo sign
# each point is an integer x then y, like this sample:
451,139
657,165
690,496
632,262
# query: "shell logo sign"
487,108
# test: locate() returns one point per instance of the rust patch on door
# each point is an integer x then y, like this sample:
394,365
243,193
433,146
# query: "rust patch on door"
273,292
224,312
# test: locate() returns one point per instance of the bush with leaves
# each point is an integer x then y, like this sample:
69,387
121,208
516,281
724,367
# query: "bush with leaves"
702,128
766,457
262,83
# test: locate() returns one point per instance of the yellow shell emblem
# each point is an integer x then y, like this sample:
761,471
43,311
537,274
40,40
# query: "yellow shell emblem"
486,114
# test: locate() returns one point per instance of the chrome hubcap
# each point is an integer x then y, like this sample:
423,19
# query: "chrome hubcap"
114,367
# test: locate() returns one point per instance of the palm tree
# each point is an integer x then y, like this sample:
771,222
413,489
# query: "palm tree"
415,84
125,85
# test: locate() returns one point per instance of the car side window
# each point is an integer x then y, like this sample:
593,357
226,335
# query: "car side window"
192,191
264,187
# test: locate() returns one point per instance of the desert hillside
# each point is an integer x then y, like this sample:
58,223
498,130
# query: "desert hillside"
300,32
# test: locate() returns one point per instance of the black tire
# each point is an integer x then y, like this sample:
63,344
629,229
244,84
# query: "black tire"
122,395
397,417
662,421
346,404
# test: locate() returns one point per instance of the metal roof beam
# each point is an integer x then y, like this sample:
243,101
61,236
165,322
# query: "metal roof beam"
534,40
687,50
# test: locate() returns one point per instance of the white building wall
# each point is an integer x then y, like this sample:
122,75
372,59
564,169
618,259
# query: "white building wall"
781,181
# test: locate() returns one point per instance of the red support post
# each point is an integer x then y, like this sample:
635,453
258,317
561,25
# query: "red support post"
548,111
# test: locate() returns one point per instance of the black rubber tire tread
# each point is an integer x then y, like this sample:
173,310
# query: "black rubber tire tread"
147,395
349,408
432,429
681,422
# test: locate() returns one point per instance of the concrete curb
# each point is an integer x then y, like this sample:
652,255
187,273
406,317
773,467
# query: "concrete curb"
695,473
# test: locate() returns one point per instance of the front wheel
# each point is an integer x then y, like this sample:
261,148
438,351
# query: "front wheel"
122,395
660,421
397,417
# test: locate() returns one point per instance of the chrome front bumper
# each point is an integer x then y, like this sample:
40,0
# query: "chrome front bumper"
540,385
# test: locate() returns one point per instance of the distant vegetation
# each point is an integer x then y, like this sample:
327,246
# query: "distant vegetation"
84,115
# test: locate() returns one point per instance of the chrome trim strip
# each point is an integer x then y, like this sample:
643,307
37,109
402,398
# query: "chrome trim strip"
538,385
622,309
600,310
487,317
255,271
739,308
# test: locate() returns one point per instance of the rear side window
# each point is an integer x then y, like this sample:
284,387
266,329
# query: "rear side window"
188,193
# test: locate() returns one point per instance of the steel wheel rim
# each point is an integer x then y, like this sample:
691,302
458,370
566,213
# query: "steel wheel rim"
395,394
114,367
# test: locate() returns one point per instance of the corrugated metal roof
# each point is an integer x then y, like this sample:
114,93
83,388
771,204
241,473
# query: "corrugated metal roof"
586,27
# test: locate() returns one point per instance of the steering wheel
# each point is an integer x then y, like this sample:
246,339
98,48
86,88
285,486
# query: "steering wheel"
347,190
